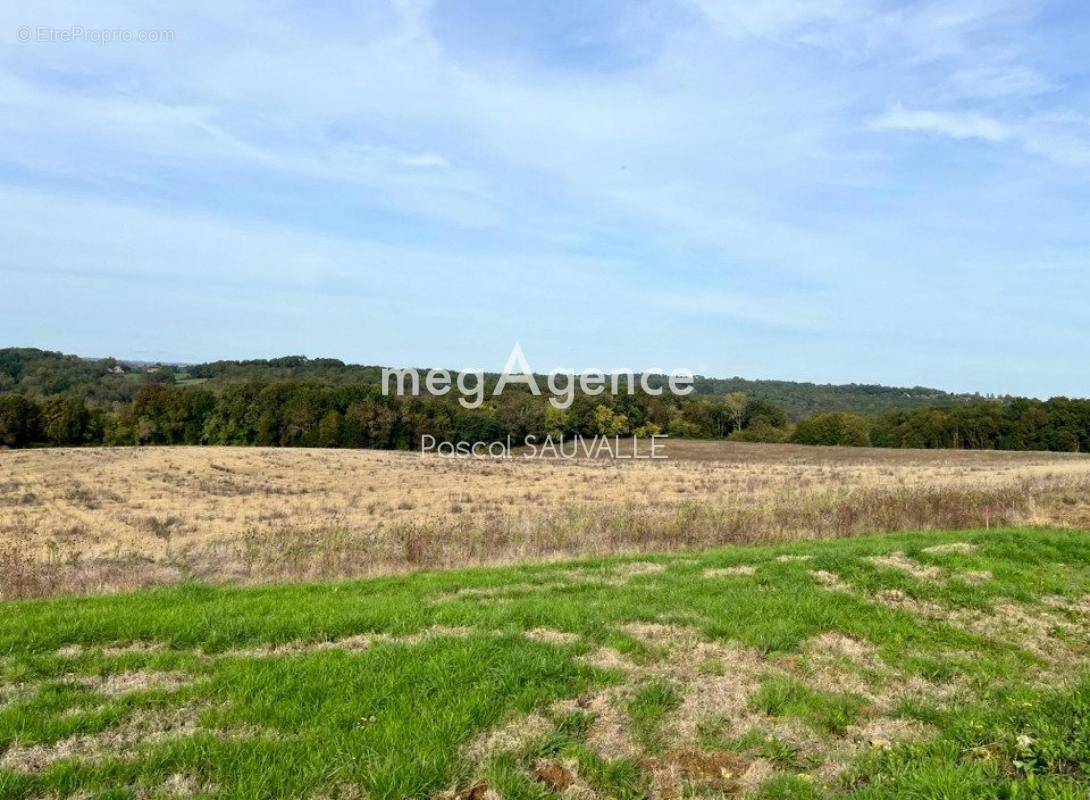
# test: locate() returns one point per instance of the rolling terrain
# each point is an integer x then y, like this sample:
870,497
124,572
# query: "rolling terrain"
948,665
43,373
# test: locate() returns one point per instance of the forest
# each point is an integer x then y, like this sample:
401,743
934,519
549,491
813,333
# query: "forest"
50,399
41,373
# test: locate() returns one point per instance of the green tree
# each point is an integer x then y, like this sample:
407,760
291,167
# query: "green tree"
734,410
609,423
65,421
330,429
20,421
838,428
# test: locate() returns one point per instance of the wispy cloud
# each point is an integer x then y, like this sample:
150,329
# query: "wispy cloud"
1062,139
773,172
956,125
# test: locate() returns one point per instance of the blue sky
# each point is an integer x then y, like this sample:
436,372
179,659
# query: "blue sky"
843,191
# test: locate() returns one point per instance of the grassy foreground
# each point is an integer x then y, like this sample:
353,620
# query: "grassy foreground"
930,665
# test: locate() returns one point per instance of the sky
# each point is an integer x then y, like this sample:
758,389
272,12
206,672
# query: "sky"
843,191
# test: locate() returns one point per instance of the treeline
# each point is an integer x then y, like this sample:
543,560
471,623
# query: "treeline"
804,400
300,414
1059,424
49,398
100,383
103,382
303,414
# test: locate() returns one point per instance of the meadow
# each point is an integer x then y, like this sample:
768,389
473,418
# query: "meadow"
944,665
102,520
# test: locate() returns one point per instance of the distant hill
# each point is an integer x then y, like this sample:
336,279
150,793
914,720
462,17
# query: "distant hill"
802,400
41,373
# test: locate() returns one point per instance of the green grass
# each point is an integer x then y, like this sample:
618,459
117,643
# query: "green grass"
647,709
396,719
789,697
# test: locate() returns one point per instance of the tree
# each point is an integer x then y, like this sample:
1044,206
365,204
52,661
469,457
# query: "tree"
65,421
20,421
608,423
757,410
520,414
760,431
734,407
839,428
370,424
330,429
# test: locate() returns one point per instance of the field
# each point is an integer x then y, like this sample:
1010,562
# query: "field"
944,665
97,520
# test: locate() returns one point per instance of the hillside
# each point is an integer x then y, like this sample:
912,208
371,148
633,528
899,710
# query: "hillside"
924,666
801,400
42,373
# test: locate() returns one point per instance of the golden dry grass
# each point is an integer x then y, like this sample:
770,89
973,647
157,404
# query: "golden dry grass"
101,520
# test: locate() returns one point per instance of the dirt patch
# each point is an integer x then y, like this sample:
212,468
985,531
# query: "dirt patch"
785,558
716,682
180,784
474,791
349,644
902,563
609,659
497,592
557,581
660,635
554,775
830,580
113,650
721,771
637,568
837,663
124,649
141,729
953,548
722,572
1078,606
898,600
886,731
855,650
130,682
512,736
609,734
550,636
1040,632
717,679
13,693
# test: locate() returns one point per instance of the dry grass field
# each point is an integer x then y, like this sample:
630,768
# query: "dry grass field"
88,521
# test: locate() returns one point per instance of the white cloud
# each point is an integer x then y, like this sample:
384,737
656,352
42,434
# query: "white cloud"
728,163
954,124
999,81
1063,139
